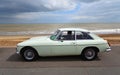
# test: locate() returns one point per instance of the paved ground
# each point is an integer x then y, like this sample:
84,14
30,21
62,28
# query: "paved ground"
106,63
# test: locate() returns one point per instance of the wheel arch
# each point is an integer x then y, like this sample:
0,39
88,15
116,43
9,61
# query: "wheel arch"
95,48
23,49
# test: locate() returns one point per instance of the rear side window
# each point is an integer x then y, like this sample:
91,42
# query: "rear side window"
83,36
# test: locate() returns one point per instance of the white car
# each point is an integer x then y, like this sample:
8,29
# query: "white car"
65,41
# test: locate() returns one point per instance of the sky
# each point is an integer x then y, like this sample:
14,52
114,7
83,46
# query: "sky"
59,11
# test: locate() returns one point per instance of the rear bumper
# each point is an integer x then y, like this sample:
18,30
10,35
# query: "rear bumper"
108,49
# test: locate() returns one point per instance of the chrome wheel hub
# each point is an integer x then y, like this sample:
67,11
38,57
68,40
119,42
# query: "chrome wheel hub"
29,55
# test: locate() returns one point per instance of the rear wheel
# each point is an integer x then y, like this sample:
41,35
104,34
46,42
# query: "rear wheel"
89,54
29,54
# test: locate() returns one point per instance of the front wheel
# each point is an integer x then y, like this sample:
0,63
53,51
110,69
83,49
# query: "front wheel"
89,54
29,54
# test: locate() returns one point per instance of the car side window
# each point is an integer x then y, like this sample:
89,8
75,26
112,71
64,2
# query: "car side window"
83,36
67,35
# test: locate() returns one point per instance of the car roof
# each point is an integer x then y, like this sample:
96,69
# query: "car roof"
73,29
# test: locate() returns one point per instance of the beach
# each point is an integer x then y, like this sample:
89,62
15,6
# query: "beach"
38,29
11,34
12,41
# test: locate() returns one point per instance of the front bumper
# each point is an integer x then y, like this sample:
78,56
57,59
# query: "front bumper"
18,49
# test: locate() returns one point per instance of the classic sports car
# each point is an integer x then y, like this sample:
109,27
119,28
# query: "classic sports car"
65,41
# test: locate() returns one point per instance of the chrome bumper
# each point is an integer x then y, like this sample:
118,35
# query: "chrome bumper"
17,51
108,49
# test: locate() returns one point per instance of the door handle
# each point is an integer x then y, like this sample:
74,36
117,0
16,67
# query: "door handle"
73,43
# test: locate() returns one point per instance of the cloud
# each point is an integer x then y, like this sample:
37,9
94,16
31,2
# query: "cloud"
59,4
18,10
18,6
101,11
87,1
59,11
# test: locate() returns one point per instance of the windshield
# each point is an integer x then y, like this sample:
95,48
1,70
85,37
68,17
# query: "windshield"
53,36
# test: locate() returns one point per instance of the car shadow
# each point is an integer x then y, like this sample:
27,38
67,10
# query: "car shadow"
17,58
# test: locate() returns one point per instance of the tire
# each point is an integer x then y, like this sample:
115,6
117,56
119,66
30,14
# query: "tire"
89,54
29,54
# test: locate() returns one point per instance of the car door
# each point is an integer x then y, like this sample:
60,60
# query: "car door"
65,44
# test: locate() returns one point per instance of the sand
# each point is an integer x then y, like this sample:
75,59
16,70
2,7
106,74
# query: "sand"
113,39
8,41
12,41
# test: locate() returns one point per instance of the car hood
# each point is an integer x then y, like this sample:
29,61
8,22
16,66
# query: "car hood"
35,41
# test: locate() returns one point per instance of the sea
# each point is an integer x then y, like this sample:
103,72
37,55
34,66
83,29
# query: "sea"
38,29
